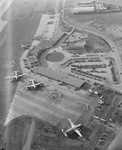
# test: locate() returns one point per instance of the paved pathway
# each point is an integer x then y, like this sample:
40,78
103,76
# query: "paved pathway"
27,145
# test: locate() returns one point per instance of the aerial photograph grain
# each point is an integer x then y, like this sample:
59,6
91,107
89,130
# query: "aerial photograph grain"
60,74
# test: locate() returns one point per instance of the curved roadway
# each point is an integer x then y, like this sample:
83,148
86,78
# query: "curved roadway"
108,40
116,142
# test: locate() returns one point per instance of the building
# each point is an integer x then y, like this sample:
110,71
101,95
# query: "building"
81,43
84,6
59,76
88,2
83,10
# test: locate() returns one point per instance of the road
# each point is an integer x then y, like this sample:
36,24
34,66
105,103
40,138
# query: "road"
115,53
28,143
116,143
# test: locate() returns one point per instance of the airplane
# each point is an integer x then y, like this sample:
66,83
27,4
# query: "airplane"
73,128
103,121
107,131
104,135
101,102
27,46
95,117
16,76
102,138
33,85
60,83
93,92
100,119
120,104
101,97
98,108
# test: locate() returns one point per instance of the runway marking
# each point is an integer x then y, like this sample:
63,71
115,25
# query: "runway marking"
46,97
28,104
83,103
10,64
64,103
29,98
41,114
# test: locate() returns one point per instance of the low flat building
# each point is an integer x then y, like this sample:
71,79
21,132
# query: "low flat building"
59,76
80,43
40,47
83,9
57,36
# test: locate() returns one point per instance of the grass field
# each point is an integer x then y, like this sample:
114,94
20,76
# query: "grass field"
15,133
18,10
51,138
100,22
50,7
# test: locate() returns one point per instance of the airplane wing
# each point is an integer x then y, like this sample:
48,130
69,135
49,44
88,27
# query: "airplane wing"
10,77
72,124
20,75
78,132
38,83
30,83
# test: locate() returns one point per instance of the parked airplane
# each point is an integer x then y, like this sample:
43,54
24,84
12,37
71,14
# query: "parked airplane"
101,120
94,92
73,128
60,83
15,76
95,117
27,46
107,132
33,85
101,102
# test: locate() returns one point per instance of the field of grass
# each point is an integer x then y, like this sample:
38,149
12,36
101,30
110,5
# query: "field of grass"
19,10
15,133
104,19
100,22
50,7
51,138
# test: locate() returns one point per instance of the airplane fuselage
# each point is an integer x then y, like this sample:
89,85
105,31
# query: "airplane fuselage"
16,78
73,128
33,87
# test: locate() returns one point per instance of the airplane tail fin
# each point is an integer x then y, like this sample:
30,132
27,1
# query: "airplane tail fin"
69,119
64,132
21,45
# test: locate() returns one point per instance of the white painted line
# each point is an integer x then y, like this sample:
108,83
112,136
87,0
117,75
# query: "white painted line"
10,64
46,97
92,108
83,103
